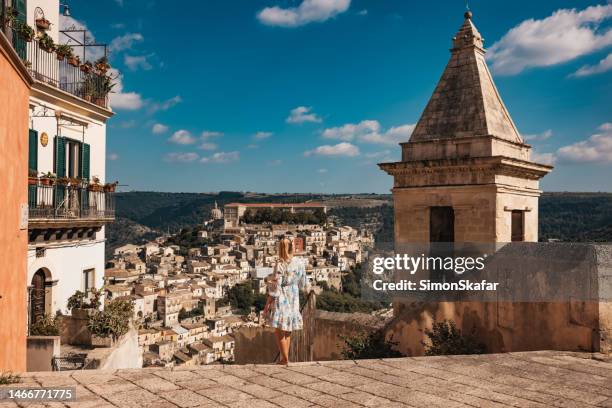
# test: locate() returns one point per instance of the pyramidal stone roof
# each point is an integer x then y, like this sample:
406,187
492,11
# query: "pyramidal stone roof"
466,102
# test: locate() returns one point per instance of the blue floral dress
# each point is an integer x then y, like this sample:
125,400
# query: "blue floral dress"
284,286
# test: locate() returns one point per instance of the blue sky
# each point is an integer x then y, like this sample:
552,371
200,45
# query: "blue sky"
307,95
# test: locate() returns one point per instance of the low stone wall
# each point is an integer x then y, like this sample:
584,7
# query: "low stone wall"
580,323
40,352
257,345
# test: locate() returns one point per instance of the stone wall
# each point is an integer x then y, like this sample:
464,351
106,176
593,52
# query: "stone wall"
578,319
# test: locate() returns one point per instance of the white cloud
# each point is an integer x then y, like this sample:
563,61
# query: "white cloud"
208,146
119,2
181,157
158,128
222,157
563,36
307,12
543,158
341,149
302,114
253,146
124,42
363,12
369,131
121,100
538,137
596,149
112,156
322,171
602,66
375,155
208,134
182,137
262,135
165,105
118,26
136,62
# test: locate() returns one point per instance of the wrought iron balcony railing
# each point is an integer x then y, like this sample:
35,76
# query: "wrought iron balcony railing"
47,68
64,203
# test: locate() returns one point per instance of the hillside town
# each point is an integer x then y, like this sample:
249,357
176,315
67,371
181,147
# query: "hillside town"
180,294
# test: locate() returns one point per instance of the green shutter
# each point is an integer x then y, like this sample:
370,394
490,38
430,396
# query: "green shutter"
60,156
85,170
18,42
33,150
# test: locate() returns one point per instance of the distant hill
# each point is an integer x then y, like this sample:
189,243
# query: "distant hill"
141,215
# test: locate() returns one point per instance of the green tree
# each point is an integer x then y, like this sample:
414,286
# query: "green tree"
446,339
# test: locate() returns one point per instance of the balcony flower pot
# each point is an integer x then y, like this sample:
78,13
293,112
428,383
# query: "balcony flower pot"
47,181
74,61
87,67
25,31
110,187
42,23
46,43
62,181
102,65
32,180
95,187
98,341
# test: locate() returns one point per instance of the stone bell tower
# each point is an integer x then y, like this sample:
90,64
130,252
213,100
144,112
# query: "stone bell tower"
466,174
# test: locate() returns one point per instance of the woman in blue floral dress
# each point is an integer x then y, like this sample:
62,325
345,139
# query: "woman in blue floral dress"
282,310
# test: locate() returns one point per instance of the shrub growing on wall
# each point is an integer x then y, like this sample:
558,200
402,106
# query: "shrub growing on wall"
446,339
372,344
113,321
46,326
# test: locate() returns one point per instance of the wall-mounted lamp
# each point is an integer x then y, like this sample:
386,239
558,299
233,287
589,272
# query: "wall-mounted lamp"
66,11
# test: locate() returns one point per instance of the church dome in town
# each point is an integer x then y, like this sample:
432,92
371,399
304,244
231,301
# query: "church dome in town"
216,213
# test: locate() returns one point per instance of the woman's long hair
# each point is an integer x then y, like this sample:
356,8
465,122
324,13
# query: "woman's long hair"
285,249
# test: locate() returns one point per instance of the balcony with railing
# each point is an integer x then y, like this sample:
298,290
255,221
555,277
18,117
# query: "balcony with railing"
65,66
68,205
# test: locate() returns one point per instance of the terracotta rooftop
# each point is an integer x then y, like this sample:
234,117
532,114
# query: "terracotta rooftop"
532,379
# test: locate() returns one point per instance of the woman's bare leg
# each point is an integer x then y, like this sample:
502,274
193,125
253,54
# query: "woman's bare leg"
285,344
278,335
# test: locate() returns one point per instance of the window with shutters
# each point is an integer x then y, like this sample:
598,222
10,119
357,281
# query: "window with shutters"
33,150
72,158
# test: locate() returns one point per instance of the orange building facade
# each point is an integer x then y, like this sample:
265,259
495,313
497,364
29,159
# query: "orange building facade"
15,85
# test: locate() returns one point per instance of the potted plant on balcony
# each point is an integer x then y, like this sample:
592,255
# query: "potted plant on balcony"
95,185
62,181
74,60
63,51
42,23
46,43
48,179
82,305
102,65
102,86
87,67
32,177
110,187
25,31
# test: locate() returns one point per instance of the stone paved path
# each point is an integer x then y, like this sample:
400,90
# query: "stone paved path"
531,379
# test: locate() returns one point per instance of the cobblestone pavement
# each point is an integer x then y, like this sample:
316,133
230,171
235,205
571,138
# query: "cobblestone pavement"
530,379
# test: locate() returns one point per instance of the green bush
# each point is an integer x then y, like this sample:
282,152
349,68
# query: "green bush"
113,321
79,300
370,344
9,378
47,325
446,339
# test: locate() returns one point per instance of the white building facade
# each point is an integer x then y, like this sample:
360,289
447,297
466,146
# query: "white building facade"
68,201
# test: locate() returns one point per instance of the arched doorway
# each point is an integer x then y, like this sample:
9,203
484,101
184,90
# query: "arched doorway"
37,296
